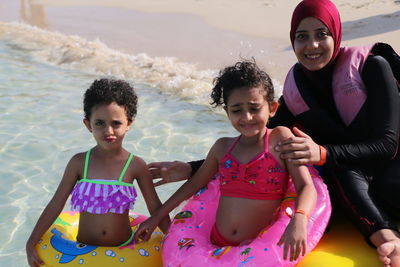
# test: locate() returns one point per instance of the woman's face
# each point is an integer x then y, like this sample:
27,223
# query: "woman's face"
313,44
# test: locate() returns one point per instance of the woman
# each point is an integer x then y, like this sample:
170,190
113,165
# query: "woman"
357,114
347,101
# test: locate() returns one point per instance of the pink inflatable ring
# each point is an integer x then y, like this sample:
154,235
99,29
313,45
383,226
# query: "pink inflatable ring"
188,241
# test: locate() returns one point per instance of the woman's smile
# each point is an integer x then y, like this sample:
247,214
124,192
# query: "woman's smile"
313,44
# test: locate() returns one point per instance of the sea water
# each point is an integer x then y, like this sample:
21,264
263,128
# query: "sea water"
43,76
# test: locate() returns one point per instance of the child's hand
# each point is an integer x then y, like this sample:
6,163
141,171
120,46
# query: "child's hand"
295,237
33,257
145,229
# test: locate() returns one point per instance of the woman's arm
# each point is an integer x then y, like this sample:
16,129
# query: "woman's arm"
191,186
170,171
384,111
384,116
173,171
53,208
195,166
149,193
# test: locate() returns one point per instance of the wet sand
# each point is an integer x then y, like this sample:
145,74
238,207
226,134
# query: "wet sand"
208,33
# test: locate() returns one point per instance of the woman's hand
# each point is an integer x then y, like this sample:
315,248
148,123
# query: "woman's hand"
300,149
32,256
146,228
169,171
294,238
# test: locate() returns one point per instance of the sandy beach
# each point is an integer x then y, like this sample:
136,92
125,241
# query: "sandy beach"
207,33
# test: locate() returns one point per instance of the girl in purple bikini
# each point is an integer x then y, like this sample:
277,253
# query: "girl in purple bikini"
101,179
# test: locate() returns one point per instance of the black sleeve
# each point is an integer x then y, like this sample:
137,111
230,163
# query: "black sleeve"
195,165
283,116
384,116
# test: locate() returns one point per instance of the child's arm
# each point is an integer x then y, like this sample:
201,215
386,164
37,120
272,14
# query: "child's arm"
200,179
149,193
295,236
52,210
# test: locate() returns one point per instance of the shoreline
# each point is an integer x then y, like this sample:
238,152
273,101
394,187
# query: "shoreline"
207,33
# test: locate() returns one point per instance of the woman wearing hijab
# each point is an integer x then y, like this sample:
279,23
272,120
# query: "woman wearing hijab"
347,101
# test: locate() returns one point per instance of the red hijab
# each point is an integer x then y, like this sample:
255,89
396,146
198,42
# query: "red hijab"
326,12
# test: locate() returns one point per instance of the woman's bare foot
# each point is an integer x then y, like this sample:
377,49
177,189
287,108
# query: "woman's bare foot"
388,243
389,253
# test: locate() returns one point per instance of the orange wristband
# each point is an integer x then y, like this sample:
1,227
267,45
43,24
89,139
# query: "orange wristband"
322,156
302,212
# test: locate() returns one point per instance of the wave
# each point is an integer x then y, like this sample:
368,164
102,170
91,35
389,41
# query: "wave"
74,52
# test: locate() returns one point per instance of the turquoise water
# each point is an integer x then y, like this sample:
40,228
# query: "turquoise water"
41,128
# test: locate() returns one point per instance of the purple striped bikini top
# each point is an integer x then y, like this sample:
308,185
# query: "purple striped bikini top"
102,196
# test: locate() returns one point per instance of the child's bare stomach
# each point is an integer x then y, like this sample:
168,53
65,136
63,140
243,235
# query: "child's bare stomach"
108,229
242,219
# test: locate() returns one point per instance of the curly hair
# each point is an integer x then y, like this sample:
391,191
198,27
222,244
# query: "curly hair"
242,74
106,91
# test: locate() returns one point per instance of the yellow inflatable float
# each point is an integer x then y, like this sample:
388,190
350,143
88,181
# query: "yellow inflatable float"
58,246
341,246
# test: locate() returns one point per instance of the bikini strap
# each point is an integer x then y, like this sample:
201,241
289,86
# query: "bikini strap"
237,140
233,145
85,168
266,140
125,167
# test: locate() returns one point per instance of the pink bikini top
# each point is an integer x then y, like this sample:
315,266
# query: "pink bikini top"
100,196
260,178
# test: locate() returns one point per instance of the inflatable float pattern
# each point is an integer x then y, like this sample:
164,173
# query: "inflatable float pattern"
58,246
187,242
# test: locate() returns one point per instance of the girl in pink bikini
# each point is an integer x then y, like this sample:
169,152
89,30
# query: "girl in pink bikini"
100,180
253,177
